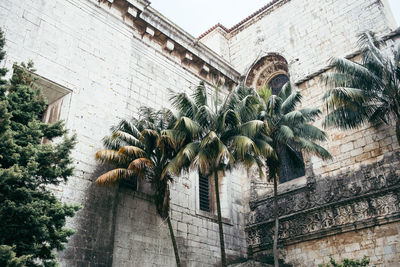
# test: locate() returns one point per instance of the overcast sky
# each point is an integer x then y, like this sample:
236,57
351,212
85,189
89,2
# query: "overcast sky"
196,16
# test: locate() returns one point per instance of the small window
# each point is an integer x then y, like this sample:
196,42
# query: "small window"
204,193
56,96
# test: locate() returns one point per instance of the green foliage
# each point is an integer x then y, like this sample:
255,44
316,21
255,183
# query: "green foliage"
8,258
347,263
31,218
214,131
214,136
286,129
368,91
142,148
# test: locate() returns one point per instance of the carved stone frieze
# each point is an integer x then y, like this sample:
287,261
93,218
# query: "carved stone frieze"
352,200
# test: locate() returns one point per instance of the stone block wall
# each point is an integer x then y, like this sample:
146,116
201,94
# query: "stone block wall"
306,32
350,149
381,244
92,48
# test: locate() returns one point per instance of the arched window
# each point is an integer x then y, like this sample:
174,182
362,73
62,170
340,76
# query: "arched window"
277,82
272,70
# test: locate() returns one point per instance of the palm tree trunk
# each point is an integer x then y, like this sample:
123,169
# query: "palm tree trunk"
171,233
221,231
275,248
398,130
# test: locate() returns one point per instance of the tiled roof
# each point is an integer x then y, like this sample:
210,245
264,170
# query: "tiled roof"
213,28
241,22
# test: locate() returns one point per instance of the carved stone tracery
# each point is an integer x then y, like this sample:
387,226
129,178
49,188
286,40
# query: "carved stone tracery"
330,205
265,69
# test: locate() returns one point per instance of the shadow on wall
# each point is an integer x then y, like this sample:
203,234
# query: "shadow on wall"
93,242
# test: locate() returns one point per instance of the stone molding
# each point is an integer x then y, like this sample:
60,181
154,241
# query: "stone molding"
330,205
164,33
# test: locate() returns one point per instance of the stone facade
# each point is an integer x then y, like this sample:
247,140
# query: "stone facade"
106,58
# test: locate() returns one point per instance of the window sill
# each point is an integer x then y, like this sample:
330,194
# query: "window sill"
213,217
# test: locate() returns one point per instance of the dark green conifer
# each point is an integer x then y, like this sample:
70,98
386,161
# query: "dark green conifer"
32,219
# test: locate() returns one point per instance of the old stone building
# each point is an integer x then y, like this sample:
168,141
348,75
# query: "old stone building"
102,59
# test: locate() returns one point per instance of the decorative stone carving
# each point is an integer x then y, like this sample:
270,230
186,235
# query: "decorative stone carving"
329,205
265,69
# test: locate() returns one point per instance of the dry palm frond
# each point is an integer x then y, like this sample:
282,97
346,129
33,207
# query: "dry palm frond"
113,176
132,150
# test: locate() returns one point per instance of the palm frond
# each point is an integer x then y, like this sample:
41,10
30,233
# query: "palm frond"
342,65
310,132
210,141
205,116
128,127
339,96
312,148
243,145
294,118
346,117
109,156
253,128
265,93
284,134
264,148
188,126
228,118
286,91
184,104
111,177
131,150
128,138
310,114
291,101
139,166
200,95
273,105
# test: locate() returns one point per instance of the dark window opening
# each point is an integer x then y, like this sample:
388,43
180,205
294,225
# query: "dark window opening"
277,83
291,170
204,193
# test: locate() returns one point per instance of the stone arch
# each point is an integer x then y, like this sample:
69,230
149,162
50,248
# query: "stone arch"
265,69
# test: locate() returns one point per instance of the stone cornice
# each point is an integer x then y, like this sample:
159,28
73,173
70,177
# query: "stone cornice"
175,43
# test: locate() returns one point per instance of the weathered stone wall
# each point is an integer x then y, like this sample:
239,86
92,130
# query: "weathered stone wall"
112,68
350,149
356,189
116,57
306,32
381,244
142,237
218,42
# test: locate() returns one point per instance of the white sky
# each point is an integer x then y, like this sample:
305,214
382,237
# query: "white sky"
197,16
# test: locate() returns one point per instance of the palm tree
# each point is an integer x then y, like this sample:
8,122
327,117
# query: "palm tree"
286,130
213,136
368,91
143,148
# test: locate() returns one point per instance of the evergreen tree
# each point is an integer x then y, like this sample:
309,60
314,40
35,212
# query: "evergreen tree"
31,218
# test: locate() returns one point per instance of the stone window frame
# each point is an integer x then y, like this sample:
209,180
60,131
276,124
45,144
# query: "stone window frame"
58,100
225,198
